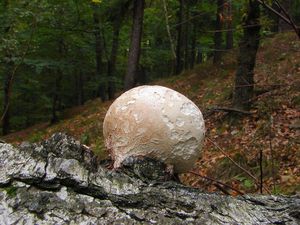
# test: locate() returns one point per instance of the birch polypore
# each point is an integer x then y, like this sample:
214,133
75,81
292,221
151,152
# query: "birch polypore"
156,122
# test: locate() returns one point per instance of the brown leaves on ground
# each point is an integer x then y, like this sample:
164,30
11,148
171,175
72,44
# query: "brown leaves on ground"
272,129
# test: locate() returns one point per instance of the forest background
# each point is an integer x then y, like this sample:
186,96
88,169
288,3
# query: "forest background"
55,55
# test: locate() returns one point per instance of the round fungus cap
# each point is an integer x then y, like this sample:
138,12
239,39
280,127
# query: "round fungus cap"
156,122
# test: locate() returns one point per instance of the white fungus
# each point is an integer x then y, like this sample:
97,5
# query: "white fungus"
156,122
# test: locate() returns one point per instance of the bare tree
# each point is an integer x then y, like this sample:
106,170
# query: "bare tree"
280,11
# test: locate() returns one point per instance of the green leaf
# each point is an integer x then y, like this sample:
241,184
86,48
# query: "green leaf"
97,1
248,183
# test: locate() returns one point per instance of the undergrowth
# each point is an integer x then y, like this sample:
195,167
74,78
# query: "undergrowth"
272,128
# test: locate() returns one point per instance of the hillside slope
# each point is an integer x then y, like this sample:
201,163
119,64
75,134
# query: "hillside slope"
272,129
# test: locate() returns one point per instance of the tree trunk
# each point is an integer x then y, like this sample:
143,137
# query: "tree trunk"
72,187
199,56
6,102
244,80
296,12
169,36
56,98
193,48
142,78
135,45
287,5
229,33
54,118
113,58
98,51
79,88
5,117
186,35
218,32
179,55
274,18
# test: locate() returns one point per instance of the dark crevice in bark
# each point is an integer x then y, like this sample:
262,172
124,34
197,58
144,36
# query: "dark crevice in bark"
143,201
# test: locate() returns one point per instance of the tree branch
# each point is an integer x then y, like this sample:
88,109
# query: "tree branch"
10,82
236,164
285,18
228,109
168,29
218,182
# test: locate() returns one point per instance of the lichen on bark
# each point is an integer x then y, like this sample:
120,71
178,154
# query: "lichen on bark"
60,182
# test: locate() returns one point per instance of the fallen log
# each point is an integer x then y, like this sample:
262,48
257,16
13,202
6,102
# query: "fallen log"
60,182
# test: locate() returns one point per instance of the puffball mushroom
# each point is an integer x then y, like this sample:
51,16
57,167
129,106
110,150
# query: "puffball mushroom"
155,122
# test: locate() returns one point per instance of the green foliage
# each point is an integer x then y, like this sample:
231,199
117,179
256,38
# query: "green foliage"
36,137
296,101
52,45
96,1
100,150
247,183
85,138
11,191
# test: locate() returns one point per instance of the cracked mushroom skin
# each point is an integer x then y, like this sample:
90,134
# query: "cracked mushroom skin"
155,122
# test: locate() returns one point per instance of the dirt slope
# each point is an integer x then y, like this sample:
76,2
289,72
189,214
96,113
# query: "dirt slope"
271,130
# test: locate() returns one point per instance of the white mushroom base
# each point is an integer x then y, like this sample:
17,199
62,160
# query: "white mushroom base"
156,122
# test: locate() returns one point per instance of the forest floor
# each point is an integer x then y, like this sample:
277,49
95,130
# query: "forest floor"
272,130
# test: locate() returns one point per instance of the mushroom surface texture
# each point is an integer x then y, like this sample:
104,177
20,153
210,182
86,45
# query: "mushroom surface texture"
156,122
